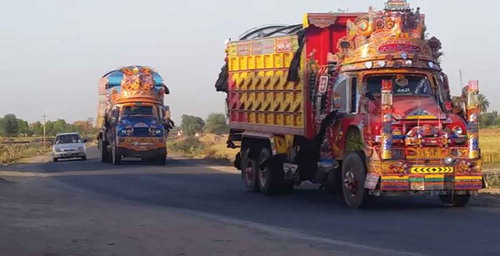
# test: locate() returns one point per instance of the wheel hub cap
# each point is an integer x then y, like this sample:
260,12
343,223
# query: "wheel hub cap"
351,183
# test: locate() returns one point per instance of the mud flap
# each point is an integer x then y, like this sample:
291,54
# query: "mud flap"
290,170
371,181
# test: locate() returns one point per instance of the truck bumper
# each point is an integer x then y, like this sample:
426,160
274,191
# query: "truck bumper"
153,153
431,178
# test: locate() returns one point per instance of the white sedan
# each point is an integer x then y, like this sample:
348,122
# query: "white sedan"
69,145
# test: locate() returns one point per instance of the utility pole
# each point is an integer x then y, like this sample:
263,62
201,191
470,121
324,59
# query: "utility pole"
44,137
461,78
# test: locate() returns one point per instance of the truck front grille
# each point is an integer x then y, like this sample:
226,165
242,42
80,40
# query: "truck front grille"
141,132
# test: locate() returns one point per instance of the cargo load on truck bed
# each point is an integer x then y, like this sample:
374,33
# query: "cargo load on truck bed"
266,83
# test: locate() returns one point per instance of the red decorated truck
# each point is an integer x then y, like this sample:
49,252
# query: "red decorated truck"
355,102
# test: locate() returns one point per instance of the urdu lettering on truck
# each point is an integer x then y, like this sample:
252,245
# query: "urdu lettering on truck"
356,102
132,117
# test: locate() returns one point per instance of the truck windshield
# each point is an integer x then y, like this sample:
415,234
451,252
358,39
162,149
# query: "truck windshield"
138,111
403,85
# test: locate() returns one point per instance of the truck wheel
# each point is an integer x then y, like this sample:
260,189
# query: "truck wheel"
270,176
103,150
454,200
287,187
162,160
353,179
249,172
117,157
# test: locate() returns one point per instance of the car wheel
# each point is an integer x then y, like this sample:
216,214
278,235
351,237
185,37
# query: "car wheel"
84,158
55,160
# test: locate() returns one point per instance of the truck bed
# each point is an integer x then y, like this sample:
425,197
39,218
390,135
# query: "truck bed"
260,97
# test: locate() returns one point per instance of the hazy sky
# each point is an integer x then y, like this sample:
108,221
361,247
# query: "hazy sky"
54,51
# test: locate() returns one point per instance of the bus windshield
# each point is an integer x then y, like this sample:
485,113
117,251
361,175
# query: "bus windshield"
402,85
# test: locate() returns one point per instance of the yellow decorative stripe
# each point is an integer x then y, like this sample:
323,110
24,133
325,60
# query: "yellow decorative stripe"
420,117
394,178
432,170
468,177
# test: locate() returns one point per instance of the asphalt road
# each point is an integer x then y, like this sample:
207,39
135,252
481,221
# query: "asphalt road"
189,202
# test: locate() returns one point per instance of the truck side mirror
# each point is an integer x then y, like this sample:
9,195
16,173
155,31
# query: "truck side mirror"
113,120
448,105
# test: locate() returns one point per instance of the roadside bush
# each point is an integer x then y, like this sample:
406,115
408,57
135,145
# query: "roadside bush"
191,146
11,153
492,179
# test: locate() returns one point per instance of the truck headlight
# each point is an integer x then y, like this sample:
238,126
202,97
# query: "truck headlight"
449,160
155,131
458,130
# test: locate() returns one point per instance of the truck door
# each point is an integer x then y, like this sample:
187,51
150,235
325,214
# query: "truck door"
342,95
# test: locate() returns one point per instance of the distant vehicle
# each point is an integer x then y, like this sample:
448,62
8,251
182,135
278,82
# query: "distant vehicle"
132,117
69,145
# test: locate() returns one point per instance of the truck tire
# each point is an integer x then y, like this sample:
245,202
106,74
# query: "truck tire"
271,176
353,180
454,200
162,160
117,157
249,172
103,151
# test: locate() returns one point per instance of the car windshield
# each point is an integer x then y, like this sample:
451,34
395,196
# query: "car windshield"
403,85
68,138
138,111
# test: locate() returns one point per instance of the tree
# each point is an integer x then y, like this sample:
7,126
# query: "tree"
24,128
84,127
484,103
488,119
191,125
216,123
37,128
10,126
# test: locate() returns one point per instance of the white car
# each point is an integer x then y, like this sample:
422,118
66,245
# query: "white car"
69,145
